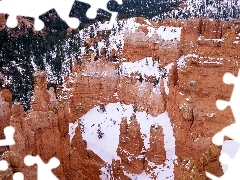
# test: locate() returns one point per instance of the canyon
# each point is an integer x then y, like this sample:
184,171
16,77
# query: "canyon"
145,111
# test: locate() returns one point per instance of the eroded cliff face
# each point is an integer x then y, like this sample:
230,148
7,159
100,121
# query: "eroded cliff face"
189,67
43,131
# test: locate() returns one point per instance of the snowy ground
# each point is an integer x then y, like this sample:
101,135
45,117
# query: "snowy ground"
109,122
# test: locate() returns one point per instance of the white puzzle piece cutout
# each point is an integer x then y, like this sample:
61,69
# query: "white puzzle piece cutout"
231,131
9,133
18,176
44,171
35,8
9,140
3,165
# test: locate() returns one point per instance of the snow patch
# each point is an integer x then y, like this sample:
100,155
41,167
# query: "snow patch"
169,33
144,66
109,123
148,67
181,62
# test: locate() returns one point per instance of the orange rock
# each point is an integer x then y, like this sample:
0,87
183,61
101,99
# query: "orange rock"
156,153
190,103
130,146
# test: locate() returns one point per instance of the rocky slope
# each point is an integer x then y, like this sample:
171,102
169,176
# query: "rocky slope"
144,110
57,56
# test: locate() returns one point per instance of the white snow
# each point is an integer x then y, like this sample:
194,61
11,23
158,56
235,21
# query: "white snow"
181,93
169,33
212,62
109,122
143,175
148,22
210,115
116,37
168,67
144,66
181,62
35,68
217,40
105,172
165,32
192,55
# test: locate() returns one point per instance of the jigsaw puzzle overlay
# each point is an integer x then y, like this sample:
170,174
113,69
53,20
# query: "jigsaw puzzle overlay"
231,131
8,133
34,9
44,171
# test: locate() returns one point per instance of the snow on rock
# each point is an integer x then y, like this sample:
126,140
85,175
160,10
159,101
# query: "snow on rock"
165,33
106,172
108,122
181,62
113,41
168,67
116,37
146,67
169,33
143,175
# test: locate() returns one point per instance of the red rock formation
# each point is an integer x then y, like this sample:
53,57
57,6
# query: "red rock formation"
190,103
43,131
83,164
130,146
156,152
153,46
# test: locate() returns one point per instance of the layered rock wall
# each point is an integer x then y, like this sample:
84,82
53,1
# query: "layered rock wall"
91,88
190,103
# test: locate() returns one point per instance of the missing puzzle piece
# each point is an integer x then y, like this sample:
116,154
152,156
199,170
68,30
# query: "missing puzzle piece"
231,131
232,172
44,170
4,166
9,134
35,8
9,140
